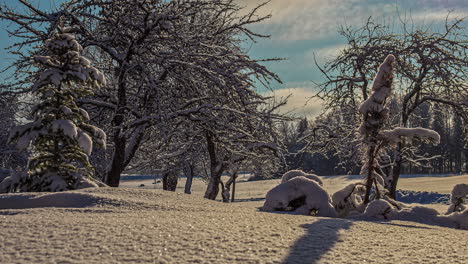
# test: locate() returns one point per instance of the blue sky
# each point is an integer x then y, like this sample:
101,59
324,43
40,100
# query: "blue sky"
302,28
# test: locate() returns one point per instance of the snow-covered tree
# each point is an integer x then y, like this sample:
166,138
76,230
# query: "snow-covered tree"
164,60
377,140
430,64
60,134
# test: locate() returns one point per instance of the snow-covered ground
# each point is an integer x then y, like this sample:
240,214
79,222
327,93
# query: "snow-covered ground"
148,225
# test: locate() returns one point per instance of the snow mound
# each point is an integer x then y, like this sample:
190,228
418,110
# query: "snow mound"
294,173
305,196
407,196
38,200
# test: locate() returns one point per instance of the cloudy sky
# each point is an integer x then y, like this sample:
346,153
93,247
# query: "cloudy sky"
301,28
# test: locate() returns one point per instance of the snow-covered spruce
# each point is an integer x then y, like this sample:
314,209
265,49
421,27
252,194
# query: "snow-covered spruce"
61,137
301,195
294,173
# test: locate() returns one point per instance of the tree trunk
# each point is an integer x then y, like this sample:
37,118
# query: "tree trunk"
118,157
370,170
224,192
216,169
233,188
213,185
170,180
188,171
396,171
117,165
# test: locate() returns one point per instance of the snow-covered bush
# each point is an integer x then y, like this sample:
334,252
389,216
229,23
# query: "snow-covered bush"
388,210
379,209
460,219
349,199
301,195
457,198
294,173
59,132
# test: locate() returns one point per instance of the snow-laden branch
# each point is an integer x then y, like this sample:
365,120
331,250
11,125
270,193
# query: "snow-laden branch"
395,135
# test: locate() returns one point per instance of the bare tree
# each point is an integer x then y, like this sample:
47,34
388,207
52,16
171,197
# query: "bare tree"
163,59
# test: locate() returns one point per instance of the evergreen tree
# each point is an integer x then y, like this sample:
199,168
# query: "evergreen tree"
60,134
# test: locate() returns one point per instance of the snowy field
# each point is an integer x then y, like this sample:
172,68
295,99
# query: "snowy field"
147,225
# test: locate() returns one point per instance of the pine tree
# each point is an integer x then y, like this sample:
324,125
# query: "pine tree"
61,137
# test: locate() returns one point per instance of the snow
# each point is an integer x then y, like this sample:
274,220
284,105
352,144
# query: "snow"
57,182
129,225
459,191
85,142
348,199
66,126
84,114
378,209
316,198
394,135
294,173
375,102
457,197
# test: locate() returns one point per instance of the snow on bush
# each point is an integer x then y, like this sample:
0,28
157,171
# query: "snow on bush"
314,198
379,209
457,198
294,173
389,210
460,219
349,199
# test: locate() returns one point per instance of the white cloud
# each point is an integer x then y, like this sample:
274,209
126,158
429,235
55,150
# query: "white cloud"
436,16
323,54
299,103
295,20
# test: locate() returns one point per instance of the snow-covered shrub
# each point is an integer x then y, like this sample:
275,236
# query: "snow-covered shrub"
379,209
294,173
59,132
460,219
311,196
387,209
457,198
349,199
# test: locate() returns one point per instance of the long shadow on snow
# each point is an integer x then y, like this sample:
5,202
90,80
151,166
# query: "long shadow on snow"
250,200
321,236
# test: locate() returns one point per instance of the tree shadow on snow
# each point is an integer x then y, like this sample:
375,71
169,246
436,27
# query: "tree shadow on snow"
402,225
250,200
321,236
